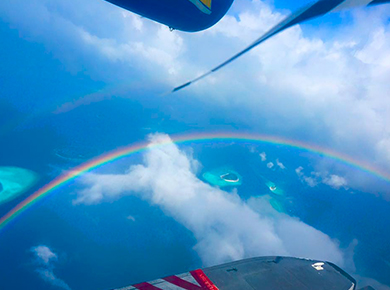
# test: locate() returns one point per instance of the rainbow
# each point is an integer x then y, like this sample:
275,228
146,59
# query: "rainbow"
180,139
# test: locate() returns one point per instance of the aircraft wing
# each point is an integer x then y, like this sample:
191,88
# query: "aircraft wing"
271,273
308,12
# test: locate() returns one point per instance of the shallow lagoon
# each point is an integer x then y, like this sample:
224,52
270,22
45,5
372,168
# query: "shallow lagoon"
14,181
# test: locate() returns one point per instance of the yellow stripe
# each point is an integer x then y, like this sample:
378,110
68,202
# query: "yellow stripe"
207,3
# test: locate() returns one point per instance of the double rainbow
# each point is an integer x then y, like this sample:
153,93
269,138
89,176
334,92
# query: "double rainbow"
180,139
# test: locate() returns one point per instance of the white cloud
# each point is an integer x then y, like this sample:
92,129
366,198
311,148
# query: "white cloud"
48,276
225,226
116,39
310,181
299,170
44,254
130,218
280,164
45,258
263,156
270,165
315,178
335,83
335,181
302,238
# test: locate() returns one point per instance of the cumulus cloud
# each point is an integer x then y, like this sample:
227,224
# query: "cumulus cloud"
263,156
116,40
310,181
48,276
316,178
270,165
335,83
226,227
280,164
44,254
335,181
45,258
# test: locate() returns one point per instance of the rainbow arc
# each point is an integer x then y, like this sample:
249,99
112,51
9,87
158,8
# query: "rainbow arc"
181,139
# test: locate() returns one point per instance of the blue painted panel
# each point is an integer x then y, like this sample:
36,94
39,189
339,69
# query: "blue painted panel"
376,2
186,15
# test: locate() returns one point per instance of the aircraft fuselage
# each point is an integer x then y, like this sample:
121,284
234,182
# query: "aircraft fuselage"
185,15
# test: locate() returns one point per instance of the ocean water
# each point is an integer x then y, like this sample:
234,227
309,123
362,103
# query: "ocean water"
128,240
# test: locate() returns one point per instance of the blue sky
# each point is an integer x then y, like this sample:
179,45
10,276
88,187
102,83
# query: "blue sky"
324,82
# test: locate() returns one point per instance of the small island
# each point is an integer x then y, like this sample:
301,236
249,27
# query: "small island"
273,188
223,177
230,177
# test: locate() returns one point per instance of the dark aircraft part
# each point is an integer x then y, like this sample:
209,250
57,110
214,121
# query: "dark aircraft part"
264,273
308,12
186,15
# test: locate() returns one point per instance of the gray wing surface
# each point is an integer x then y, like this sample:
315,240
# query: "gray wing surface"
308,12
262,273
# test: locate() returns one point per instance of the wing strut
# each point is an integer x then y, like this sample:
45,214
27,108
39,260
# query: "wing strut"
310,11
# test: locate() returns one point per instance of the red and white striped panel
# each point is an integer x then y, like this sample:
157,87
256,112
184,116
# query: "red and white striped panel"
194,280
